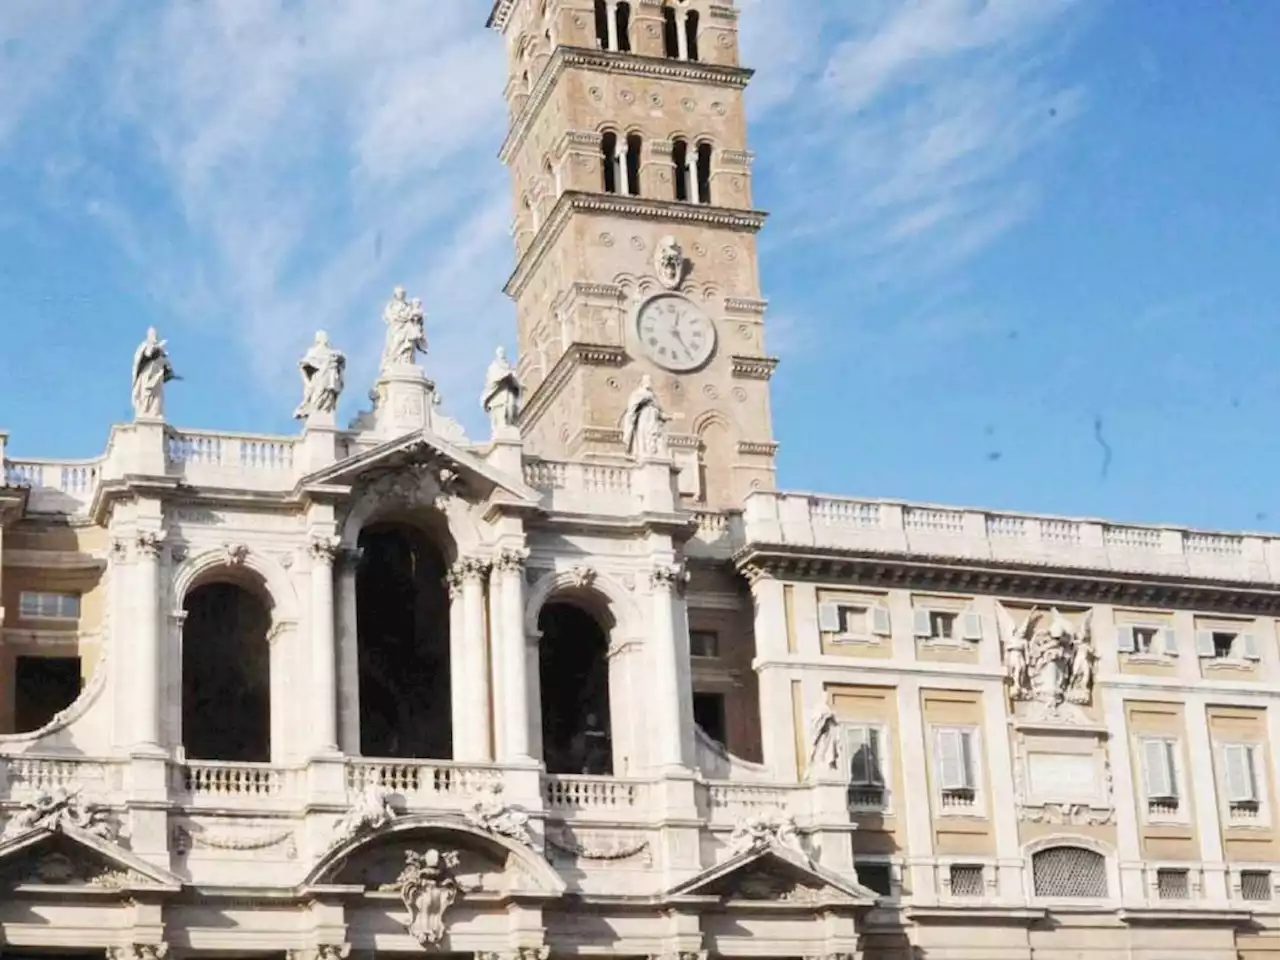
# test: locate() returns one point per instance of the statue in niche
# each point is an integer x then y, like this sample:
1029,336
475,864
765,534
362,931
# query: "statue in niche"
501,397
323,369
824,742
670,262
1049,661
428,888
151,371
644,431
406,334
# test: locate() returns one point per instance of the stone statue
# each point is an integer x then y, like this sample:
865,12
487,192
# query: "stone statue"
56,810
758,832
669,262
644,423
824,743
1050,663
428,889
151,371
371,812
323,369
1080,682
491,815
406,336
501,397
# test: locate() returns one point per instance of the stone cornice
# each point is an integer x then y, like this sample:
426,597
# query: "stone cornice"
754,368
635,208
746,305
578,354
625,64
757,448
1007,579
500,14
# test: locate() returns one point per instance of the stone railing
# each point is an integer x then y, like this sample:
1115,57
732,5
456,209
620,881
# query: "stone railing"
587,796
421,783
227,459
57,486
883,526
572,486
725,802
247,785
25,776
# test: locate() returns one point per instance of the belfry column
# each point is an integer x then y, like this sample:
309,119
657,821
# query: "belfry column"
324,656
469,671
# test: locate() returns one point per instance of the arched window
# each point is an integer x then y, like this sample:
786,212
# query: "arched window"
670,33
634,146
573,658
603,24
691,35
704,172
680,169
624,26
609,161
1071,872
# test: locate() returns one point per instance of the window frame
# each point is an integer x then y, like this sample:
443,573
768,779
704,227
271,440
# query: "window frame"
966,626
715,645
972,735
1260,802
883,765
1176,777
1163,647
877,622
59,596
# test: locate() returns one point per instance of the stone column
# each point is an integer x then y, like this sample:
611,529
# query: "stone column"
146,646
611,14
682,34
1204,788
670,668
347,641
513,658
471,707
324,654
777,712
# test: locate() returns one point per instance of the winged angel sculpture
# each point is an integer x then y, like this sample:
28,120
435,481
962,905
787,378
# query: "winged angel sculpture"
1048,659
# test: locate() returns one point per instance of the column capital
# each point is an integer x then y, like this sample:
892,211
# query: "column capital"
470,569
519,953
324,951
324,547
511,560
138,951
148,543
669,576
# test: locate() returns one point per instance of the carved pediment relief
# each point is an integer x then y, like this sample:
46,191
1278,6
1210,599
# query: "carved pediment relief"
379,867
775,875
85,862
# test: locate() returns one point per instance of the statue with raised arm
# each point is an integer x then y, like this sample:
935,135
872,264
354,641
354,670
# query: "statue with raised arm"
824,745
501,397
151,371
323,370
644,423
406,336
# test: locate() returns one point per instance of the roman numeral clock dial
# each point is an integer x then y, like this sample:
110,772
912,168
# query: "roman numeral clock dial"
674,333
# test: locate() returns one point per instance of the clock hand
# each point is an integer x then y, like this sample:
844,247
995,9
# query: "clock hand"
675,332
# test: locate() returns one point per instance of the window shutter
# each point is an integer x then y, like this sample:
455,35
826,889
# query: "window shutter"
923,628
855,744
973,627
1124,639
1237,762
828,618
874,771
1249,646
1157,772
881,625
949,759
1169,642
966,758
1204,643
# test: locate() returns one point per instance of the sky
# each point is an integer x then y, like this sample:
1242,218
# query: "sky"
1022,254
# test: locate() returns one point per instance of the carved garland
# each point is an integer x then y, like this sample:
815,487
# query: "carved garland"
185,839
615,850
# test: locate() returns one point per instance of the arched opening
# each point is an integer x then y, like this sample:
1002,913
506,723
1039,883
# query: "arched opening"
691,34
402,625
680,169
634,146
670,33
226,674
624,26
1069,871
573,669
704,172
602,24
609,161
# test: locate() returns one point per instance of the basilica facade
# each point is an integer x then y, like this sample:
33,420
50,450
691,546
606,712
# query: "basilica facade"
592,685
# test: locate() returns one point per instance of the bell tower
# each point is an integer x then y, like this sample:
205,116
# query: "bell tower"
635,234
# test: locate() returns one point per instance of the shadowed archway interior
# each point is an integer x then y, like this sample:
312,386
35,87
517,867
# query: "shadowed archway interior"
573,666
402,617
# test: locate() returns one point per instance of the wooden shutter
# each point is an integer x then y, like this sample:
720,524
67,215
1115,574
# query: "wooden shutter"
949,759
881,625
973,627
874,772
1204,644
1124,639
1249,646
923,628
829,617
1157,770
1169,642
1237,764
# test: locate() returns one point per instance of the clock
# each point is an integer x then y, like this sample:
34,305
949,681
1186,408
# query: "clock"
674,333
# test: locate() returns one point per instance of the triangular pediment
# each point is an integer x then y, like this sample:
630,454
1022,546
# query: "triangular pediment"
776,875
473,477
71,858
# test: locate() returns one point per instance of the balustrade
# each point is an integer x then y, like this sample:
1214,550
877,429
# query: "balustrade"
419,782
580,794
244,784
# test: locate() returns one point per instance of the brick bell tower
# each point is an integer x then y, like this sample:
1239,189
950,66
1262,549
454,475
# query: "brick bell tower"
635,234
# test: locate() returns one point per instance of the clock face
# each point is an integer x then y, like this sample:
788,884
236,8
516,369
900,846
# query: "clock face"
674,333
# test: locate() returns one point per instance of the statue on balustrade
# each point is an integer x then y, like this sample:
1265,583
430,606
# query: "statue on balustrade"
501,397
406,334
824,743
1049,661
151,371
323,370
644,431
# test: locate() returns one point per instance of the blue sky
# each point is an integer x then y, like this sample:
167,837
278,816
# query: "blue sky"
1006,236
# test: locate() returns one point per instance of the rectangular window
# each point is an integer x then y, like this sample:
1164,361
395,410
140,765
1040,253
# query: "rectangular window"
33,605
709,714
43,688
1255,884
863,746
876,877
942,626
1146,640
1173,884
953,749
967,880
847,621
1226,645
704,644
1160,776
1240,780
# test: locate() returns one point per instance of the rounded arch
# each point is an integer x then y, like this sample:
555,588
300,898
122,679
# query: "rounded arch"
709,419
415,500
542,878
244,567
590,588
608,126
1040,844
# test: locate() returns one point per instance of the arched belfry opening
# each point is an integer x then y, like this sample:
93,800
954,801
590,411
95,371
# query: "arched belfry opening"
226,671
573,671
402,625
